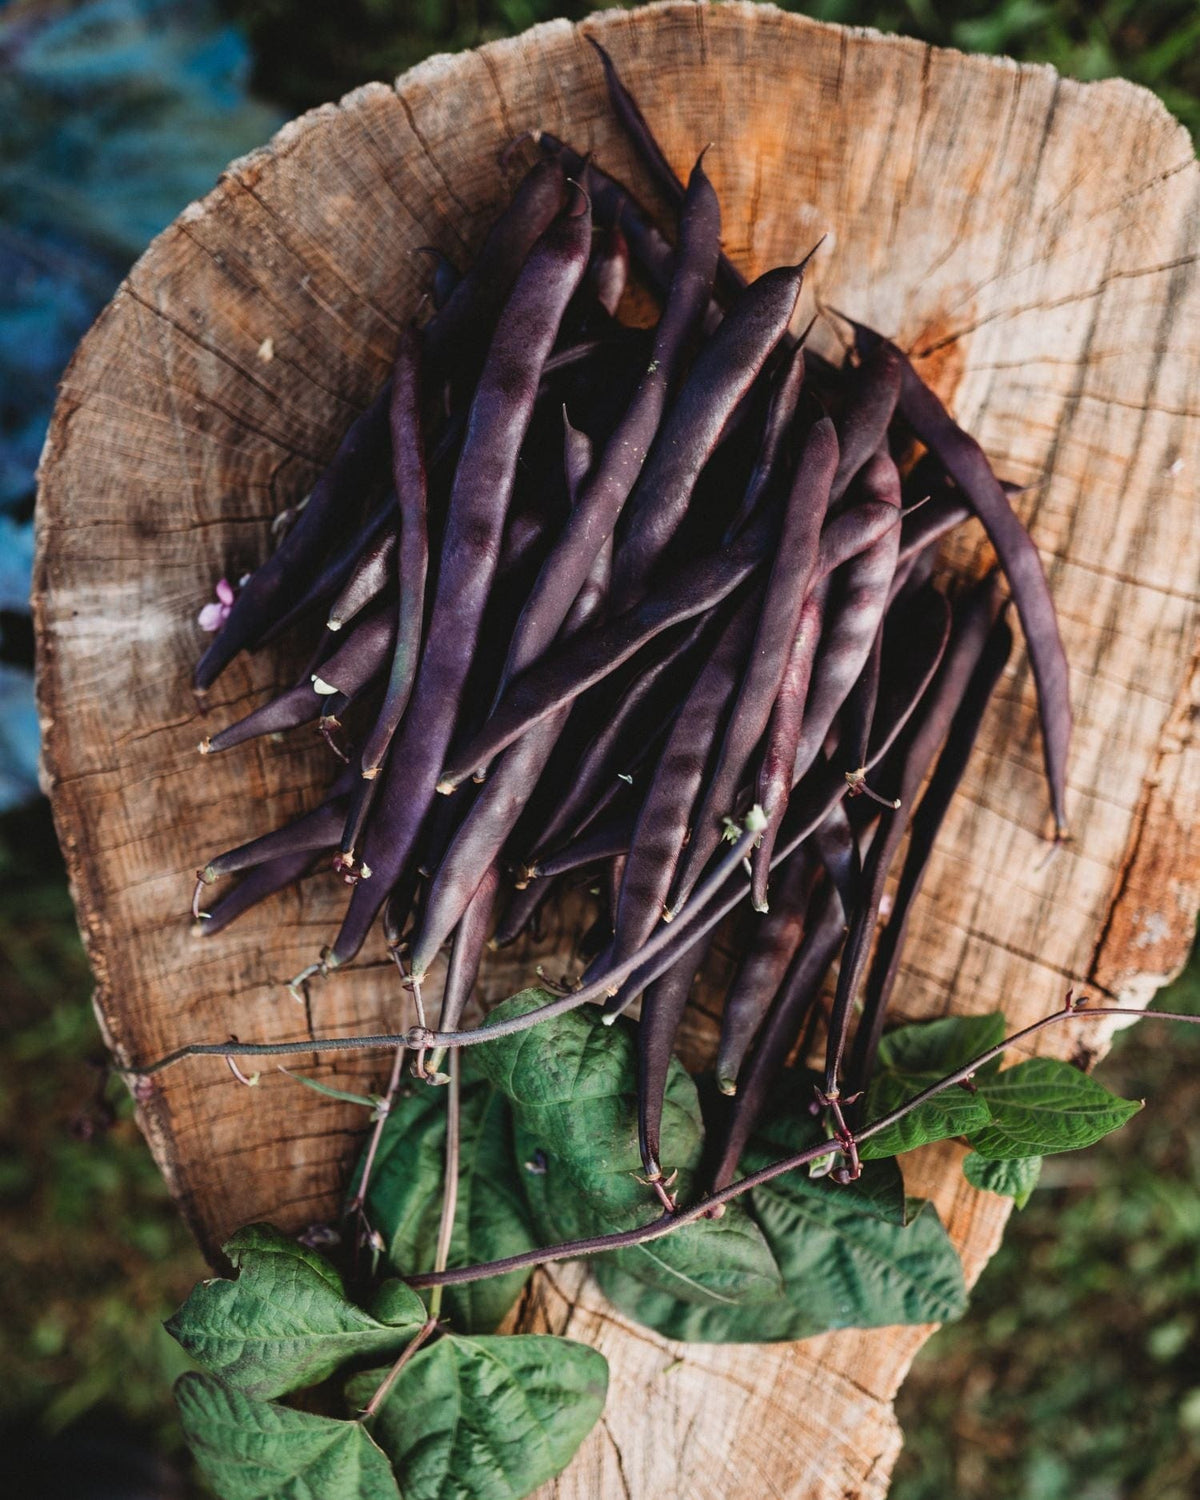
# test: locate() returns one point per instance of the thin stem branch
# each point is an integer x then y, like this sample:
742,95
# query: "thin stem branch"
382,1110
418,1037
450,1186
667,1223
389,1380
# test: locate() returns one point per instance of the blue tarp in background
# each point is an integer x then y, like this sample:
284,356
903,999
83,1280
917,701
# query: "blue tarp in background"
114,114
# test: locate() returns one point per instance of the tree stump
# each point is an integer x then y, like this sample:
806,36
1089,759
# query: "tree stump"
1033,242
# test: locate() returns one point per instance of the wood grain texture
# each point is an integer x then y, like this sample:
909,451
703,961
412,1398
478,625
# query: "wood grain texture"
1032,240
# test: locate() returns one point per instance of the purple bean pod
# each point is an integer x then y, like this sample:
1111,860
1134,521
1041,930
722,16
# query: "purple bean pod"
770,945
824,934
794,566
268,592
926,824
858,604
967,464
592,520
412,556
662,823
915,751
560,676
723,371
783,735
500,416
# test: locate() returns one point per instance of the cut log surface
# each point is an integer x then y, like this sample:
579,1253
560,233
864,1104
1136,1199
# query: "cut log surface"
1032,241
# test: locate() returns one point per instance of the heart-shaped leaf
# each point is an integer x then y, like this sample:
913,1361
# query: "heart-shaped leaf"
571,1083
491,1220
256,1450
1046,1105
910,1060
487,1418
1013,1178
842,1268
286,1321
853,1255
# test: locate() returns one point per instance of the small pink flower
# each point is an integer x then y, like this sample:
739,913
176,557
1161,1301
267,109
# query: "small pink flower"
213,616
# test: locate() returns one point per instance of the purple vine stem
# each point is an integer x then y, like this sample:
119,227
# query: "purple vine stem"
667,1223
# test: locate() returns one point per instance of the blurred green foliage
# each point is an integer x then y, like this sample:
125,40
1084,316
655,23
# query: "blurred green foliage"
95,1254
308,51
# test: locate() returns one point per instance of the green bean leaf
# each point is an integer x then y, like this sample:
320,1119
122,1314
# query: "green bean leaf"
486,1418
286,1321
491,1220
256,1450
913,1058
571,1082
1013,1178
842,1268
1045,1105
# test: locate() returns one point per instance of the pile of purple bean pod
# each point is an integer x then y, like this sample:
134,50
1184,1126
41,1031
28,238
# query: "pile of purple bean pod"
622,594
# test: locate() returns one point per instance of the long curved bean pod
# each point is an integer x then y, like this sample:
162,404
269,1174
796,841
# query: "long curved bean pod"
783,735
663,1006
466,951
791,574
362,802
269,591
500,416
967,464
859,605
634,723
772,941
915,752
412,555
915,634
467,318
261,881
306,834
601,502
926,823
836,845
798,993
874,389
634,122
608,840
476,846
858,711
562,675
666,808
299,705
363,653
335,573
721,374
780,414
371,576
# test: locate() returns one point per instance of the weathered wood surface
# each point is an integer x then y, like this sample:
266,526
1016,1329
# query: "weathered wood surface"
1033,241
